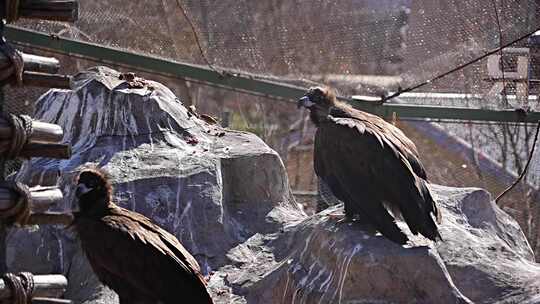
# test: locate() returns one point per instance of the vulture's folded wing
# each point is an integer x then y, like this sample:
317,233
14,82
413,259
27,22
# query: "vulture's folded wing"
129,246
351,152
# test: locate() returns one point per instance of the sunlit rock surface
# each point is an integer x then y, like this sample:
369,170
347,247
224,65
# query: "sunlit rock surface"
225,195
212,188
484,258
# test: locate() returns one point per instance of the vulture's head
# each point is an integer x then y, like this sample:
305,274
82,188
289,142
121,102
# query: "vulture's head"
93,189
319,100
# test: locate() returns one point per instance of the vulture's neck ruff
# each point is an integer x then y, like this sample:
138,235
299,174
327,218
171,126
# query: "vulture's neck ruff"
318,101
322,102
318,114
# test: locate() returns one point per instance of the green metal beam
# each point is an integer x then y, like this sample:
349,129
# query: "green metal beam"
450,113
248,83
152,64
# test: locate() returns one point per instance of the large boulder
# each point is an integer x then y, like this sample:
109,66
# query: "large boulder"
484,258
212,188
225,195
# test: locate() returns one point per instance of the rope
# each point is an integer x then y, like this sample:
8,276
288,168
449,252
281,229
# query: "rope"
531,153
21,285
20,212
197,40
12,10
460,67
22,130
15,57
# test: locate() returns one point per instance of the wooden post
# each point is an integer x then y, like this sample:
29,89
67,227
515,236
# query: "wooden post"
51,218
43,140
50,285
45,197
32,63
58,151
43,80
42,132
41,198
42,64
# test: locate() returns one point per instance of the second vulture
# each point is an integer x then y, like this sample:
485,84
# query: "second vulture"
138,259
371,166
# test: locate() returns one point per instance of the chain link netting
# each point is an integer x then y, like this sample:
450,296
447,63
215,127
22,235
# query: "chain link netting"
362,47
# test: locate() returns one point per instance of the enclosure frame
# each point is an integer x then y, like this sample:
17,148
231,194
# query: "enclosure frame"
239,81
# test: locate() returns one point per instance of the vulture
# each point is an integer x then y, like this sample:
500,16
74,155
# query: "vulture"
140,261
371,166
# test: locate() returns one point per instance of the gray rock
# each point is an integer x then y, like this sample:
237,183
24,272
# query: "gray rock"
225,195
342,263
484,258
485,251
212,188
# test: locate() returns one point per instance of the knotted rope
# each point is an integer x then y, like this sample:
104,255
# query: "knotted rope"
15,57
12,10
22,130
21,286
20,212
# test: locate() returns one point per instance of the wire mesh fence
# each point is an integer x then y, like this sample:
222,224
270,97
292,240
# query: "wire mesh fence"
362,47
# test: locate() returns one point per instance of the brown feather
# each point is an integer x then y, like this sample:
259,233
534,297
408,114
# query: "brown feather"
136,258
372,167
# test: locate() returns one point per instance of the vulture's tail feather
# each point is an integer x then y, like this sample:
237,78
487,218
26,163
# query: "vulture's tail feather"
428,227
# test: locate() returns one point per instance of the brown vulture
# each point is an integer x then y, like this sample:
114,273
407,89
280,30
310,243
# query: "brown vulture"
140,261
371,166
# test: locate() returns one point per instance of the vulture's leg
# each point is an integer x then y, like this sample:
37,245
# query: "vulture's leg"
326,197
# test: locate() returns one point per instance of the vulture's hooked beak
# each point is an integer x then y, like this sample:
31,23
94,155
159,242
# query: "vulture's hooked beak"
304,102
81,190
